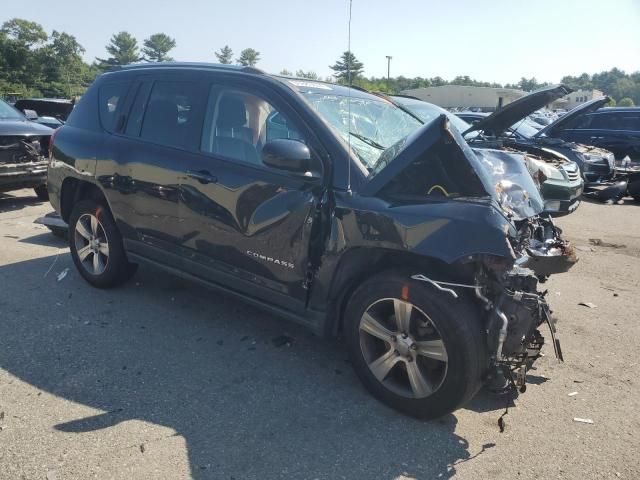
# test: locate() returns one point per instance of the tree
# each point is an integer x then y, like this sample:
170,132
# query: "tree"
24,32
248,57
286,73
625,102
225,55
611,102
347,67
123,48
311,75
157,46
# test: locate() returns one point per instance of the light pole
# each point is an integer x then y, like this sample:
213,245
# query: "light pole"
389,57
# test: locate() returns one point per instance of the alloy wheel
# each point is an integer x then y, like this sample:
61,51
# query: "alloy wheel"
403,348
92,244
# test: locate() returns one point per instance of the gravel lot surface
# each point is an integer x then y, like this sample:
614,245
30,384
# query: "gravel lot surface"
165,379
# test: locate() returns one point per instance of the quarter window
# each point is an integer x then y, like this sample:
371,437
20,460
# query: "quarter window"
238,124
110,97
170,117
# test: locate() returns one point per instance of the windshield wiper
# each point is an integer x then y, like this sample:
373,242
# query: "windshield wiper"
368,141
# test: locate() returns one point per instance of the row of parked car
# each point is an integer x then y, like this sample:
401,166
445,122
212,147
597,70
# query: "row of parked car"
419,238
576,152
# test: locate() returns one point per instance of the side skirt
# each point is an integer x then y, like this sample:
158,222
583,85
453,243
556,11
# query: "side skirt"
312,319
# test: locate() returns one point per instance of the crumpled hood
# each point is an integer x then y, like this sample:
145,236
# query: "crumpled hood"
503,175
576,112
23,127
502,119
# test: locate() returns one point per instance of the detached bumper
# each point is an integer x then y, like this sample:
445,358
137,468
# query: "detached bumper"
14,176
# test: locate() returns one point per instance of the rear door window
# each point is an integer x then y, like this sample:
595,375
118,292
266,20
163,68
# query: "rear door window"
111,98
170,116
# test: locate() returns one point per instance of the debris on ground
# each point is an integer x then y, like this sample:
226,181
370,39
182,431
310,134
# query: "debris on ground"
282,340
583,420
142,448
600,243
572,394
63,274
588,304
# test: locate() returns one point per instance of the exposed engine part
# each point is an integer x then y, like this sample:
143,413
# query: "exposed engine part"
20,150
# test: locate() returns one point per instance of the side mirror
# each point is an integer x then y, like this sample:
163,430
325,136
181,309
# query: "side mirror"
285,154
30,114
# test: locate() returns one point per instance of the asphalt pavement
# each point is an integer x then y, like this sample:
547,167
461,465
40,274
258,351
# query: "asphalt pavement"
162,378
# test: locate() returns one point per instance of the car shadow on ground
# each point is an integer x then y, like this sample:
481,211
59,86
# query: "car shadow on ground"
178,355
10,202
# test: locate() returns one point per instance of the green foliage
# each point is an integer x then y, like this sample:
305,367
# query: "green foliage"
611,102
157,46
225,55
123,48
614,83
33,63
311,75
347,67
286,73
526,84
626,102
249,57
24,32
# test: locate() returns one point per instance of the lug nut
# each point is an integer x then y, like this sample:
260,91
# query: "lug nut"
404,335
396,352
393,338
414,346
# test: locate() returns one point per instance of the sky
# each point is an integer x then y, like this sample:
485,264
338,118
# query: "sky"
492,40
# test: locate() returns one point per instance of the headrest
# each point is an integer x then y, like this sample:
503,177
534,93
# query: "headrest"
231,112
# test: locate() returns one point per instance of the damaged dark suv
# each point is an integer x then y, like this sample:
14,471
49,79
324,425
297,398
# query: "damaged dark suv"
329,206
23,152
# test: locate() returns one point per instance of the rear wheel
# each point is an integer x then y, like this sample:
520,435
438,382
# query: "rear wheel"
417,350
96,246
42,192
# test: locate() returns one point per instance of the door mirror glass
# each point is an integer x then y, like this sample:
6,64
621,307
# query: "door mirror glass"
285,154
30,114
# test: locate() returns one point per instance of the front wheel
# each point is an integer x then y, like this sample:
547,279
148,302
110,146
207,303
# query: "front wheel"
96,246
416,349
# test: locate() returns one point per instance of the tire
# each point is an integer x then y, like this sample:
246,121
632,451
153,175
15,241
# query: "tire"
42,193
636,198
450,378
112,267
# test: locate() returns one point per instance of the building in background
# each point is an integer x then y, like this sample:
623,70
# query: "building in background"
486,99
580,96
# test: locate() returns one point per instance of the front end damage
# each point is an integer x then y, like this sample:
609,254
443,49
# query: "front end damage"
23,162
516,309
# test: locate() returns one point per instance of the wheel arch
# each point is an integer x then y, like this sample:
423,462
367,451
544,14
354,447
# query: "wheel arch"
73,190
358,264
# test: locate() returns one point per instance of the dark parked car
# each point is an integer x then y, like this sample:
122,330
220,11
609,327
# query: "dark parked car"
23,152
509,125
331,207
560,182
59,108
616,129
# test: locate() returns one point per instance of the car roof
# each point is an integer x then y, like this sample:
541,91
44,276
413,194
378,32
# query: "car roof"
617,109
302,85
47,100
186,66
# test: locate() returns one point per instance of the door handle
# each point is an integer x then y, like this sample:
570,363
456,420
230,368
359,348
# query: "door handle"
202,176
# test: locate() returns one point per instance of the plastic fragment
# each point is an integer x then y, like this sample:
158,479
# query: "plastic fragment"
572,394
583,420
63,274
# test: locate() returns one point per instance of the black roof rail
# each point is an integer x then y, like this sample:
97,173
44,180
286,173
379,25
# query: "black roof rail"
203,65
